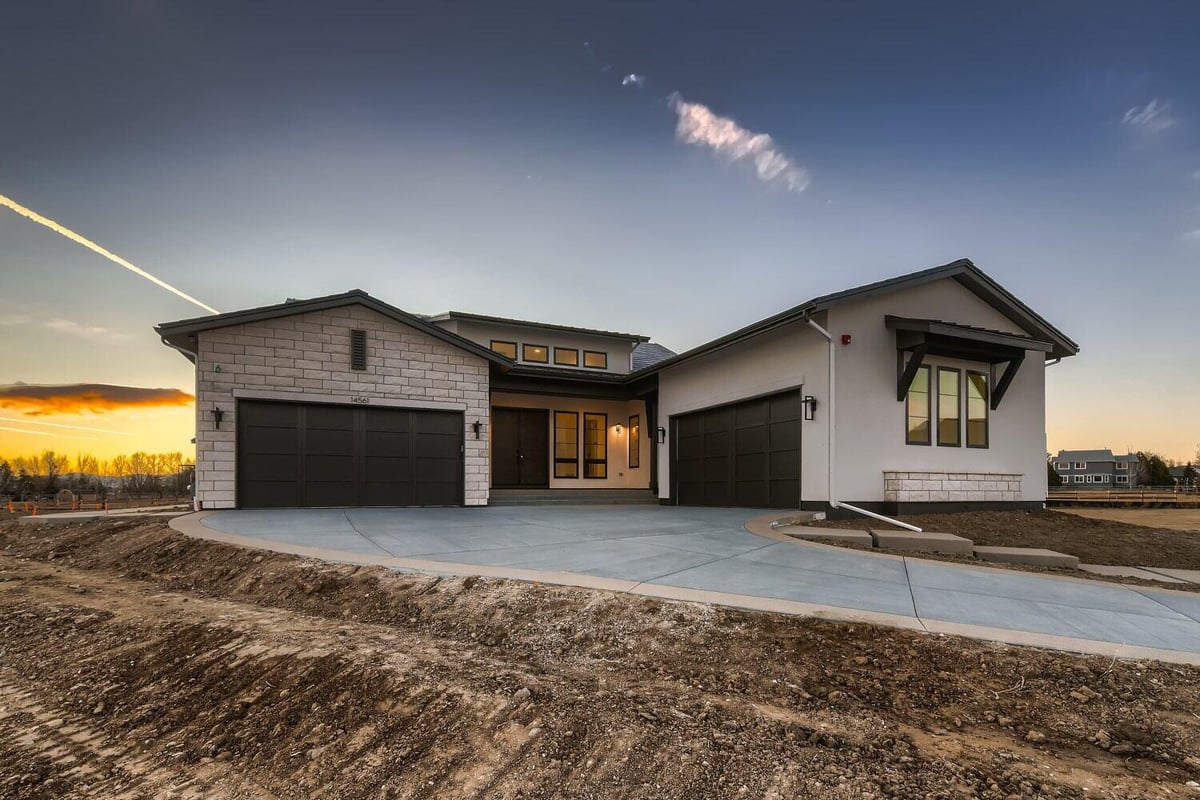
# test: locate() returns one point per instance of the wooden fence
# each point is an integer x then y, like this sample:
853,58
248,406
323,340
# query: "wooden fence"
1187,497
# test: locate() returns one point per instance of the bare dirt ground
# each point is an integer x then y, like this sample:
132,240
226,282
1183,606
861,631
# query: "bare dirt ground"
135,663
1179,519
1094,541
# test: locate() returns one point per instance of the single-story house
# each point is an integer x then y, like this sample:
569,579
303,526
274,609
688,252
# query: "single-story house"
925,391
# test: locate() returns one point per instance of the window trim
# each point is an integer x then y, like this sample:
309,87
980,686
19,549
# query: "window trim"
929,410
557,459
604,440
1123,479
516,348
601,353
1062,466
958,398
525,349
1078,478
987,411
1123,466
635,447
1080,465
573,350
358,350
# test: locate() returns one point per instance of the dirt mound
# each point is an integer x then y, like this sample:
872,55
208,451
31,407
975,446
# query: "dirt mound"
135,662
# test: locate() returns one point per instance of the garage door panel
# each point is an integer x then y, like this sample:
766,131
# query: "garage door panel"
744,454
312,455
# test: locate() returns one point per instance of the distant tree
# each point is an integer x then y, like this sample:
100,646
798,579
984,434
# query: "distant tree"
24,484
86,464
1153,470
1190,474
1052,478
7,479
50,465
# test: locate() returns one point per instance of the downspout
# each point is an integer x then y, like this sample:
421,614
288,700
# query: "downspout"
195,359
833,501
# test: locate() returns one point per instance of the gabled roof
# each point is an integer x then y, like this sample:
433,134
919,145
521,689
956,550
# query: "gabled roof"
451,315
182,333
963,271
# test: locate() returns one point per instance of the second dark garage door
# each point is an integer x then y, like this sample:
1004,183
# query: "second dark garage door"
743,454
305,455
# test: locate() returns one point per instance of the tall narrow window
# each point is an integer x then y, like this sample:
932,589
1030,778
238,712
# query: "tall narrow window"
949,412
977,410
566,444
917,409
595,445
635,441
358,350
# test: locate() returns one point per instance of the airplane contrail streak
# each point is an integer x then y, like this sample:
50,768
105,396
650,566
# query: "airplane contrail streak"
22,430
61,425
88,243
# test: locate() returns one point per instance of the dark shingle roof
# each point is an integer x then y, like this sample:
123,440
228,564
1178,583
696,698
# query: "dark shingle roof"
449,315
647,354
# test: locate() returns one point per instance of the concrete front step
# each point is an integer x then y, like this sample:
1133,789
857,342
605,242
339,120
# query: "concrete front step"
1032,556
924,542
861,538
572,497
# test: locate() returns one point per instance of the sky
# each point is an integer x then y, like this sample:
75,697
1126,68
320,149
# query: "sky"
633,166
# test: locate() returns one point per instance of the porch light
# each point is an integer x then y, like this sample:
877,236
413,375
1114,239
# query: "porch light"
217,415
662,435
810,407
476,425
617,428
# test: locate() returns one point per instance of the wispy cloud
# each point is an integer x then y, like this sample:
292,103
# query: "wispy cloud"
633,79
9,320
1193,235
1155,116
84,331
698,125
76,398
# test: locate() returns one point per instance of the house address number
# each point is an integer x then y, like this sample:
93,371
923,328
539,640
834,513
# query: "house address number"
360,400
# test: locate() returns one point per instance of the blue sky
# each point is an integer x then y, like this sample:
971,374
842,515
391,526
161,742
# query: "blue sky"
486,157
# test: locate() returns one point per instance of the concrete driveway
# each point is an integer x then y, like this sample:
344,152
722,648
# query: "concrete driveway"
708,555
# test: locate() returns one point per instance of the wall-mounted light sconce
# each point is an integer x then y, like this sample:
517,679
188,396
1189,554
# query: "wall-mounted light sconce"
218,414
617,428
810,407
476,425
662,435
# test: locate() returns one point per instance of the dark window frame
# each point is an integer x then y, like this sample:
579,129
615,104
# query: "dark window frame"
358,350
573,350
600,353
987,410
958,410
603,462
929,410
635,447
525,351
515,348
574,462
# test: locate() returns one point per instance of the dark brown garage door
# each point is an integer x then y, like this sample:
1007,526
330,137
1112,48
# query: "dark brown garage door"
744,454
302,455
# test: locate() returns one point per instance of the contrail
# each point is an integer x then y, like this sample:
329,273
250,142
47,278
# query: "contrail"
88,243
21,430
60,425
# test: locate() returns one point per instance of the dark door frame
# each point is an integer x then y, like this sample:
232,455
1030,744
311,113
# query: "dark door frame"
545,414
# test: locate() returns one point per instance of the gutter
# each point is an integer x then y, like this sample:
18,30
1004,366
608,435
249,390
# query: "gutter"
832,430
195,359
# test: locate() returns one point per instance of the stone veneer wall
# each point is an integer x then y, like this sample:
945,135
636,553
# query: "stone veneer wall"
308,356
956,487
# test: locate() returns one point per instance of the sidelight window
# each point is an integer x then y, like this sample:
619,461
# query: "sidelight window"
595,445
566,444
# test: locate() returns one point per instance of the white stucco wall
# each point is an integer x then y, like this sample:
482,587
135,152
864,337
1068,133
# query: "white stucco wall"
306,357
870,421
620,476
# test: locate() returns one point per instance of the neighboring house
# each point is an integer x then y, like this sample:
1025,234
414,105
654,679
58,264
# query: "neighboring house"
938,390
1096,469
1184,475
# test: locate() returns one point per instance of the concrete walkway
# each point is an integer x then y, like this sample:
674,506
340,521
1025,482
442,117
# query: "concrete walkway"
708,555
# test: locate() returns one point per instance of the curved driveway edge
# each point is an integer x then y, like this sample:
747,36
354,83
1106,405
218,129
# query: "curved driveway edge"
707,556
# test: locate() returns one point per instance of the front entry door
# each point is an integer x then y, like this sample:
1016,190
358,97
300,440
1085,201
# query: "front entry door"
520,448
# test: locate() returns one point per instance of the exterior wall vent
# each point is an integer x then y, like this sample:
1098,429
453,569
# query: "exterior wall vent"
358,350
